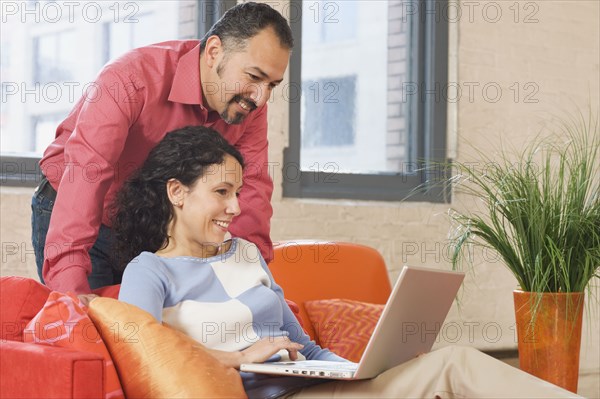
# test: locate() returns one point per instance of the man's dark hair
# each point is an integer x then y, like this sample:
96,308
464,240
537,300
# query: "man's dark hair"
246,20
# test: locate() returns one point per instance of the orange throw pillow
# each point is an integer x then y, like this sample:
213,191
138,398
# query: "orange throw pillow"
155,361
343,326
63,322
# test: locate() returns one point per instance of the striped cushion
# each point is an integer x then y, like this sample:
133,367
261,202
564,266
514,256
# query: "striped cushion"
342,325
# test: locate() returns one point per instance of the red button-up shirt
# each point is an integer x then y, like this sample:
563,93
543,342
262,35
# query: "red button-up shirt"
133,103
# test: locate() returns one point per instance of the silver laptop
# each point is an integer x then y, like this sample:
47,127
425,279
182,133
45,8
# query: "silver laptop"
408,326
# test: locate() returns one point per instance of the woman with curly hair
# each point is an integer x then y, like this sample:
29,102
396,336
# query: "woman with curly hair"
149,210
171,221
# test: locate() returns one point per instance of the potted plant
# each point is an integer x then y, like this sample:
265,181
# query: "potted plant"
540,211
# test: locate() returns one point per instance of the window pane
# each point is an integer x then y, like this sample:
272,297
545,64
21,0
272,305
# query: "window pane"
43,128
53,57
52,49
354,62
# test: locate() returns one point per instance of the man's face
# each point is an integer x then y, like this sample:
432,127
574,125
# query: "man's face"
242,81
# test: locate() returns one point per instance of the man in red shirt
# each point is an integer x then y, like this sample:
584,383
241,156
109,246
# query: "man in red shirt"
222,81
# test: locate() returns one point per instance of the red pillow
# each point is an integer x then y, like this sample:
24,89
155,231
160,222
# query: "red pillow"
343,326
21,298
63,322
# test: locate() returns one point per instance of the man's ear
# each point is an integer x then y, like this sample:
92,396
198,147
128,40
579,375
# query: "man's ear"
176,192
212,50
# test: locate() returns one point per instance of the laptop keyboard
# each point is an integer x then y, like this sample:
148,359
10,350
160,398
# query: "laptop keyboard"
320,364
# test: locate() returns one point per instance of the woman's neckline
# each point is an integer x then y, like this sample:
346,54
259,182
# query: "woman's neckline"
226,248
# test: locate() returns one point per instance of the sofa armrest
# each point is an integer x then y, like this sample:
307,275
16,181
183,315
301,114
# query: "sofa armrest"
39,371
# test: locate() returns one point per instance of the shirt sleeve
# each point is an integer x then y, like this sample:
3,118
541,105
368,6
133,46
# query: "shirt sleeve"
254,222
91,153
294,330
144,285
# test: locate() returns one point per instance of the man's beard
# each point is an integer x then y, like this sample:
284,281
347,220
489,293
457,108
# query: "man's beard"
238,117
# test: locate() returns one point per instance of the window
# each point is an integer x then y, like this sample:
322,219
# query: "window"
58,47
368,122
324,112
51,51
53,60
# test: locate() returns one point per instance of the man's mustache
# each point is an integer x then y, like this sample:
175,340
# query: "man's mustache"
246,100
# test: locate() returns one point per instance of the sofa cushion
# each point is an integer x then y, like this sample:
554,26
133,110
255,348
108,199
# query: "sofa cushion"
109,291
343,326
155,361
21,298
63,322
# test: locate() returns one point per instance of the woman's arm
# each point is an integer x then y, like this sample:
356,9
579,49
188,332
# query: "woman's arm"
144,285
295,332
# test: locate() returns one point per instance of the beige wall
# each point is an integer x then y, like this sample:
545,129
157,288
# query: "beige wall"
554,60
15,233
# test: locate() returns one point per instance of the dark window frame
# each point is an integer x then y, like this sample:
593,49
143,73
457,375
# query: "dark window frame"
429,70
20,170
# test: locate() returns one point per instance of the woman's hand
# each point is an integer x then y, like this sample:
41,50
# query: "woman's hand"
258,352
267,347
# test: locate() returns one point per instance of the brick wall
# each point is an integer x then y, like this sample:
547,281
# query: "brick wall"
188,24
398,42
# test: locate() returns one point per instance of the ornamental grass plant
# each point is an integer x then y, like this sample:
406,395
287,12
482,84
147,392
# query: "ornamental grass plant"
540,208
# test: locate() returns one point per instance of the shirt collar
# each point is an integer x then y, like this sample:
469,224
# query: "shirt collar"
187,88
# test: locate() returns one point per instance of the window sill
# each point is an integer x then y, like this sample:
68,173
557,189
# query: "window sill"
20,170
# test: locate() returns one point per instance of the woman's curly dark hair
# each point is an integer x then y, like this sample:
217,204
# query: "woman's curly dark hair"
141,211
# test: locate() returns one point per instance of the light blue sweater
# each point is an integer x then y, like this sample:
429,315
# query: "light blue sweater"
226,302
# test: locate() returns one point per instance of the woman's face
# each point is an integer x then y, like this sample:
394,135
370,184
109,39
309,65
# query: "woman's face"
208,207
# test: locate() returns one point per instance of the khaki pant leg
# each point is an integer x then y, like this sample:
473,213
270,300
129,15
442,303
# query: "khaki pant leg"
451,372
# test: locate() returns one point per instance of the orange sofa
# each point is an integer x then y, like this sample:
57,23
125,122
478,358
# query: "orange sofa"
306,270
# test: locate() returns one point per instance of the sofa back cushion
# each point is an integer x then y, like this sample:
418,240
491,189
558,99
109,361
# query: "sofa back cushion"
21,298
315,270
109,291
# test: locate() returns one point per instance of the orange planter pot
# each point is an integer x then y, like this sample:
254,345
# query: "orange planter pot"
549,335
